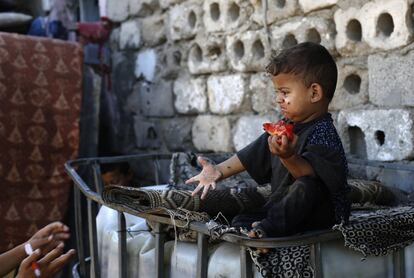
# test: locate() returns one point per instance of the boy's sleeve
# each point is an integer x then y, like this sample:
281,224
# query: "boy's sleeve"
328,165
256,159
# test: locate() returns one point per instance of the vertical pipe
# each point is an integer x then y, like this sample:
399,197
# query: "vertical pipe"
97,178
398,258
245,263
122,248
78,230
315,250
202,256
93,242
159,250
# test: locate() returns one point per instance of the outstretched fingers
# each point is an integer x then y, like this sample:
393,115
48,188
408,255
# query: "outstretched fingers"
193,179
205,191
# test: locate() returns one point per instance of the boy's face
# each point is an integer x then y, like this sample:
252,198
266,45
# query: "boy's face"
296,101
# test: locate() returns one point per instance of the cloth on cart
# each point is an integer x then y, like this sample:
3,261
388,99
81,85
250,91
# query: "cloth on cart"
379,232
40,97
228,202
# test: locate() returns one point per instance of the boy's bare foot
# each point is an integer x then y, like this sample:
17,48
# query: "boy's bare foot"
253,234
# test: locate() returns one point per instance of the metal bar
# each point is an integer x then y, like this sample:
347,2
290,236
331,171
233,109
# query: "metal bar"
79,233
202,256
315,254
97,178
245,263
122,248
398,259
159,250
93,241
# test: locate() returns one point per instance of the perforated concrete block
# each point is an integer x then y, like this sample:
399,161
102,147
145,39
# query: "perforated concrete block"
386,134
377,25
184,20
207,55
391,79
276,10
248,51
153,29
141,8
349,32
172,58
352,85
225,15
263,97
310,5
313,29
190,95
226,93
387,23
130,35
247,129
212,133
168,3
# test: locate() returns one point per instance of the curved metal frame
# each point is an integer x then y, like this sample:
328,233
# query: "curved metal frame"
94,199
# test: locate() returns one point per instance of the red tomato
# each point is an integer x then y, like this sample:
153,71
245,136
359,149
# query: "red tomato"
280,128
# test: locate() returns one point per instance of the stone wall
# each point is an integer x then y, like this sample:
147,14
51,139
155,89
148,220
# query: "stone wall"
189,74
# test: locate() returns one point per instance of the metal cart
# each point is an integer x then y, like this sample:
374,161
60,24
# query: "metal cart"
88,265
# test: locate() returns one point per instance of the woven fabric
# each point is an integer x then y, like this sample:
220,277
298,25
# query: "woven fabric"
40,96
229,202
379,232
286,262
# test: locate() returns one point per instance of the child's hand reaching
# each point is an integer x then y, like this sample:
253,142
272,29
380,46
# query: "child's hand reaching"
207,177
281,146
49,265
49,237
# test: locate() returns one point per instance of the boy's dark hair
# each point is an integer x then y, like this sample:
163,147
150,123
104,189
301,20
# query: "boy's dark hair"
311,61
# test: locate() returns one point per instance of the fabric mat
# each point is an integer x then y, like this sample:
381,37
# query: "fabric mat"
379,232
229,202
40,95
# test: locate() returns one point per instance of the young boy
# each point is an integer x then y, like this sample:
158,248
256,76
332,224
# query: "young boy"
308,173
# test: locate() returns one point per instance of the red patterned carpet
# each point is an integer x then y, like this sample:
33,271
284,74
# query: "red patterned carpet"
40,95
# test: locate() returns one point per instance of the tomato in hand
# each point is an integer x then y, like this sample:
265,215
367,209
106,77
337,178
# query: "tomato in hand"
279,129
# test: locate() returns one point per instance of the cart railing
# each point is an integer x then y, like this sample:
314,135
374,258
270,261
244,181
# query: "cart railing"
94,200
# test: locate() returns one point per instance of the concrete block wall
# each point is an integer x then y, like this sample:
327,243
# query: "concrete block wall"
195,70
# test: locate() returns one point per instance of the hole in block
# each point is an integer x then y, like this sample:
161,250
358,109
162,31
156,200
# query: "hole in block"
289,41
354,30
352,84
258,49
234,11
192,19
313,36
238,49
358,147
214,11
380,137
196,53
385,25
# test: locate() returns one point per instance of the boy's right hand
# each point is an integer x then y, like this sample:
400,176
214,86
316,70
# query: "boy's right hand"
207,177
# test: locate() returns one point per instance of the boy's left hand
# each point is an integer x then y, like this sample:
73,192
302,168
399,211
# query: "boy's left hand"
281,146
